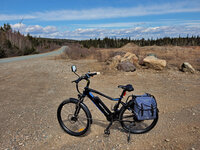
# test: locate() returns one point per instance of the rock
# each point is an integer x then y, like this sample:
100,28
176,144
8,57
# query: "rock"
126,66
167,140
154,63
186,67
21,144
131,58
113,63
128,57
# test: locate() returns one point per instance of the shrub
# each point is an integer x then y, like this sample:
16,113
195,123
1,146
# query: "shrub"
28,51
2,53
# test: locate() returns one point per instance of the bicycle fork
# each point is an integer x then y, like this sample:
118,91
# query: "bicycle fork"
78,107
77,110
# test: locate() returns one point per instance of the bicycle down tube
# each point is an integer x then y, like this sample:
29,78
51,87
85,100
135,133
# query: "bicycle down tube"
97,101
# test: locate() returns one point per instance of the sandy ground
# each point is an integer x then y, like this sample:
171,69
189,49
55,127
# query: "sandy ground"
31,90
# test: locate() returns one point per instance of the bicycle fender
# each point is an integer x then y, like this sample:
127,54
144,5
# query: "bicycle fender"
83,105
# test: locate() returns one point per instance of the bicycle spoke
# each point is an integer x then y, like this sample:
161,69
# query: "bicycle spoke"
129,116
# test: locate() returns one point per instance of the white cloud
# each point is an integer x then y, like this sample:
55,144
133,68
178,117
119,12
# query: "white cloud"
34,29
18,26
193,24
37,29
114,25
109,12
6,17
134,32
103,13
49,29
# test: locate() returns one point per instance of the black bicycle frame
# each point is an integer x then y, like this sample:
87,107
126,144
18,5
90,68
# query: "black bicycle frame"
102,107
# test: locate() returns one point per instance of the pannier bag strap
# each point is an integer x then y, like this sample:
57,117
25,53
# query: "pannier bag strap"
133,97
152,110
147,94
142,110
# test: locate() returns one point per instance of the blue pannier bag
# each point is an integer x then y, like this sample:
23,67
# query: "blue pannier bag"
145,107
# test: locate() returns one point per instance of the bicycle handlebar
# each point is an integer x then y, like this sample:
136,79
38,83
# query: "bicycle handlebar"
85,77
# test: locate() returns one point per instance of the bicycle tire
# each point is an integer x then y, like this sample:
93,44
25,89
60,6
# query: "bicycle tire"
73,125
132,124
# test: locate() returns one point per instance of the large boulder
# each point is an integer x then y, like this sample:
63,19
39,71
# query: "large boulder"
186,67
126,66
130,57
154,63
114,61
128,62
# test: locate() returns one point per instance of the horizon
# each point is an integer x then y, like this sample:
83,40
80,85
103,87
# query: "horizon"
81,20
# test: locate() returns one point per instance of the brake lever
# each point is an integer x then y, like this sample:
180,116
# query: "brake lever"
73,81
76,81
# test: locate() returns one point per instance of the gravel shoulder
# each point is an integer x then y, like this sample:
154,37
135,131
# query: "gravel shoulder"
31,90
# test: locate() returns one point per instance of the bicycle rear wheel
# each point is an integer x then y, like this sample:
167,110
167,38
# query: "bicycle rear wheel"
73,118
131,124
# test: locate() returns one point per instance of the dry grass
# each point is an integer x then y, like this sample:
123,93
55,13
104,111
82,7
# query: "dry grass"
76,52
174,55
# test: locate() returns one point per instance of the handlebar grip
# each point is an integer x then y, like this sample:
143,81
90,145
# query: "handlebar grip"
94,73
88,75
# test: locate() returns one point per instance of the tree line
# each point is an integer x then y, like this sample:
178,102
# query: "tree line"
116,43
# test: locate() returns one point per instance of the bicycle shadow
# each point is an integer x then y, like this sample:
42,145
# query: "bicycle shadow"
104,124
117,125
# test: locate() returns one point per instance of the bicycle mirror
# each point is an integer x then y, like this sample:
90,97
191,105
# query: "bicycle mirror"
73,68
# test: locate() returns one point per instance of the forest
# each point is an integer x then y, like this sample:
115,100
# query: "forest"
117,43
13,43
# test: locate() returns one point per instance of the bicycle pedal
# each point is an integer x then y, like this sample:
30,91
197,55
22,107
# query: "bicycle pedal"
107,132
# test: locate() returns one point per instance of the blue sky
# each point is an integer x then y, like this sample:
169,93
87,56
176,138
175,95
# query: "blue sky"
85,19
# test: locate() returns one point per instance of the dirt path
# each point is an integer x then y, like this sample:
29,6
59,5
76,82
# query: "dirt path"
30,92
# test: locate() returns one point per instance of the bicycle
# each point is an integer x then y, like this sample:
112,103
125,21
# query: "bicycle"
75,118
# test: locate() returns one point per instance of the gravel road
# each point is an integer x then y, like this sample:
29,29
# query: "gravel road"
31,90
13,59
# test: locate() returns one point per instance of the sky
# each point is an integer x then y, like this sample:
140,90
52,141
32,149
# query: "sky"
86,19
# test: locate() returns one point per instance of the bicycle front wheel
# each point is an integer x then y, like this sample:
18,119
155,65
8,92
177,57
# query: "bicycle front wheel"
131,124
74,118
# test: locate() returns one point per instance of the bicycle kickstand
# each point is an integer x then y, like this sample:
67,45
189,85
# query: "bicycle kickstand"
129,136
129,133
107,130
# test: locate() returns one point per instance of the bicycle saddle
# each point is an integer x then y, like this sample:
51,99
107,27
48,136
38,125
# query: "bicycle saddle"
127,87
